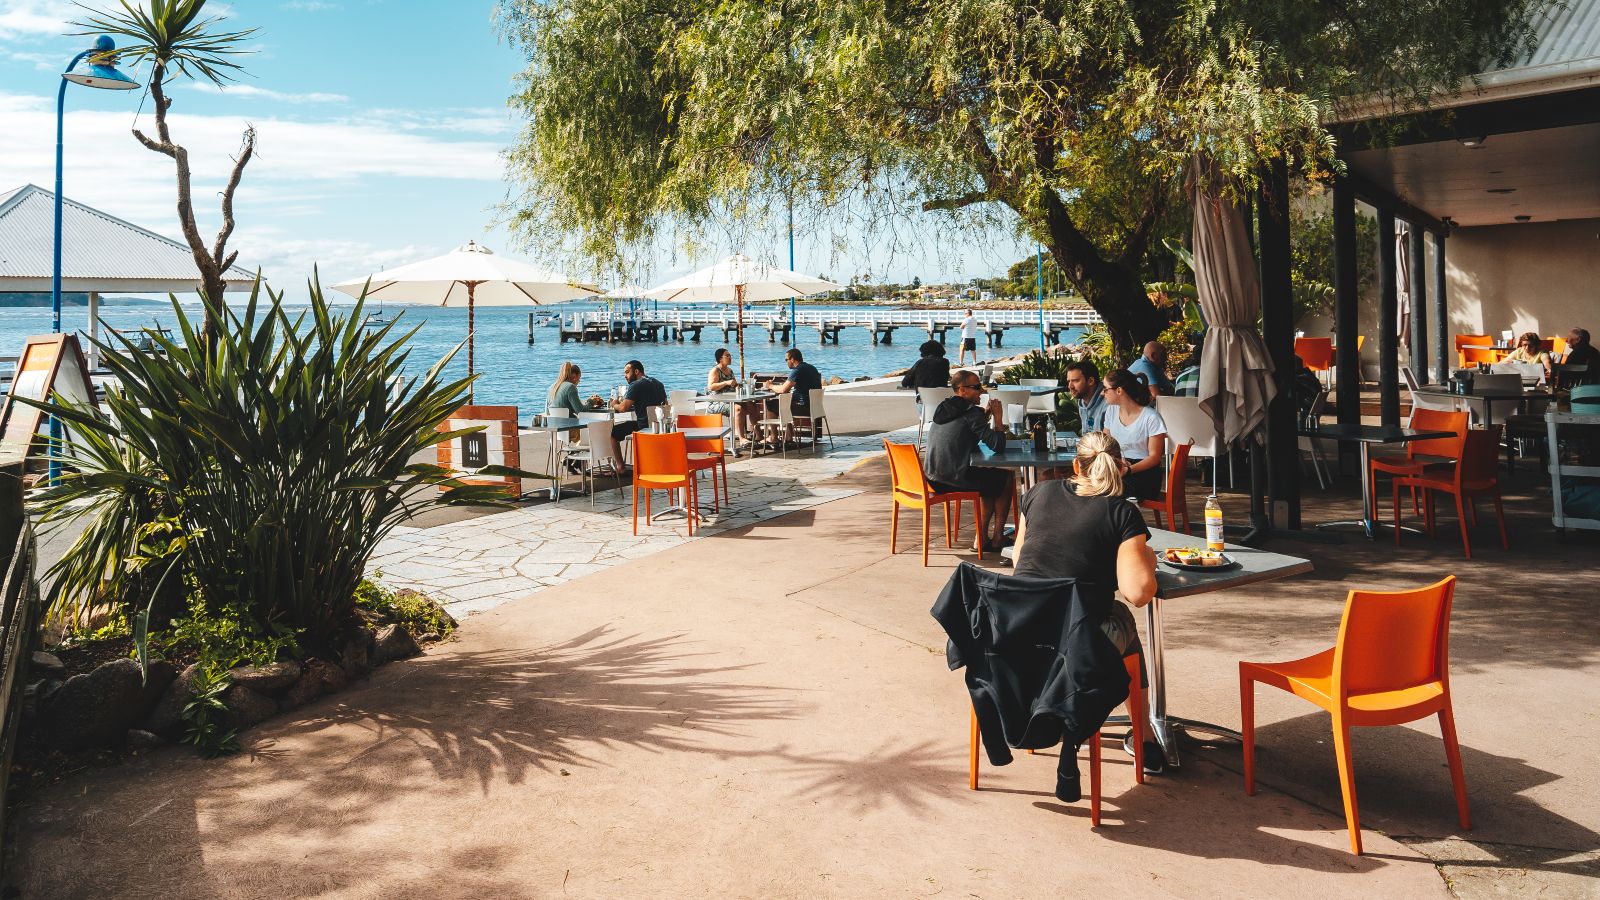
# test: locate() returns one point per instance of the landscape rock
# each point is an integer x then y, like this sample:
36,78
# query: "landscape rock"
356,658
318,678
430,637
48,665
94,709
159,676
273,679
394,642
139,739
166,719
247,707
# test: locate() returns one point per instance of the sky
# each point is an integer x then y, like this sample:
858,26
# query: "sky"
380,127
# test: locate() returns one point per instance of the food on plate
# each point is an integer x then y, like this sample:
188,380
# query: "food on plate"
1194,556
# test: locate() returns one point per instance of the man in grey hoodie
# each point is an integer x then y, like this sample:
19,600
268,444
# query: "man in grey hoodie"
959,427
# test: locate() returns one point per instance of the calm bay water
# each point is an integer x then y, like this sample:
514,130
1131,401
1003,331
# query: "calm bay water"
512,372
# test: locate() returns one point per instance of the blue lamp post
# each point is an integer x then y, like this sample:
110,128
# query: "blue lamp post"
100,73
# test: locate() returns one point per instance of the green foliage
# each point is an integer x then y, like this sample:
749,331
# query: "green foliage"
1076,122
416,612
281,448
205,713
174,35
224,639
1311,249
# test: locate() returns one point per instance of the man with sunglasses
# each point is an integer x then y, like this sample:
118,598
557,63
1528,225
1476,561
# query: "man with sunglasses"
959,427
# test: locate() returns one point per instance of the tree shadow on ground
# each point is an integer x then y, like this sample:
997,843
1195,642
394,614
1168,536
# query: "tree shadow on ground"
1403,789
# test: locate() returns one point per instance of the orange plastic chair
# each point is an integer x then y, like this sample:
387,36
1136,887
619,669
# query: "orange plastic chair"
1423,455
708,454
911,488
1471,340
1476,475
1556,345
1134,663
1316,353
1471,356
1390,665
661,463
1174,502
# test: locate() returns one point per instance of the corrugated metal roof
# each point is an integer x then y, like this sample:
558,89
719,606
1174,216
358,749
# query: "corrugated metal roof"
1565,33
100,252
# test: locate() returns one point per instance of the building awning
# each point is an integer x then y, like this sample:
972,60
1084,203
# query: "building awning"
100,253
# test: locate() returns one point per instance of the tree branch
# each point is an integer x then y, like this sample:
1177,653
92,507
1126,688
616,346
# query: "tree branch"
954,203
247,150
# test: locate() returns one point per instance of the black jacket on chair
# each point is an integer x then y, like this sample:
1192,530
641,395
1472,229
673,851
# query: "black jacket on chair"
1039,668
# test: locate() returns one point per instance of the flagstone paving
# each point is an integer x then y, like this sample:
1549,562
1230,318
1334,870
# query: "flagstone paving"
482,562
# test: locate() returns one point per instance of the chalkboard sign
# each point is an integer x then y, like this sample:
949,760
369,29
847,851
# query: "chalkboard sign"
49,364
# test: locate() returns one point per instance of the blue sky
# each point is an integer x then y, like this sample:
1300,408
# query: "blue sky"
380,126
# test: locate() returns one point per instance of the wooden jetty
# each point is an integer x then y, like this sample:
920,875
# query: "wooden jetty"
880,325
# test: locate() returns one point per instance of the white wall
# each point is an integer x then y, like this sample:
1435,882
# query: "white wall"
1538,276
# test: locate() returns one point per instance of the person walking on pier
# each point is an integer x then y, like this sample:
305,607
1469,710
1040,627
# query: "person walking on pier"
969,339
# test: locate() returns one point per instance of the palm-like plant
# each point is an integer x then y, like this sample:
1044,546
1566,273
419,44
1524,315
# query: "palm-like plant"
179,40
281,448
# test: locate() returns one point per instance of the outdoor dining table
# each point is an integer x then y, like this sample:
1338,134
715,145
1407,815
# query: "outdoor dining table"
552,425
1364,436
1484,395
1021,456
1252,566
732,399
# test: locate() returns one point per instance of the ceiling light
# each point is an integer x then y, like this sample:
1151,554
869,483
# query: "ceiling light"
1524,218
1502,190
1472,143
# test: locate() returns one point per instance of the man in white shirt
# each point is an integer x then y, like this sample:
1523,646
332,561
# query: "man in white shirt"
969,339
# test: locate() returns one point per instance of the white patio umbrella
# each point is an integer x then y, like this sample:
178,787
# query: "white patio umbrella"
470,275
740,280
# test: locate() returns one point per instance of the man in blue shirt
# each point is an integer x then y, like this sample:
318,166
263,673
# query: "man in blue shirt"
1153,366
1083,380
642,393
803,378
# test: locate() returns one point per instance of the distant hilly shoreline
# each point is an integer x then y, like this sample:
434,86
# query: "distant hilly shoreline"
15,300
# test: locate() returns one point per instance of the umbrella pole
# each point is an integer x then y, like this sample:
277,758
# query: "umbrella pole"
738,306
470,337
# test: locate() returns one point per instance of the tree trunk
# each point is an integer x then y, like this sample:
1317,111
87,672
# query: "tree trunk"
1119,296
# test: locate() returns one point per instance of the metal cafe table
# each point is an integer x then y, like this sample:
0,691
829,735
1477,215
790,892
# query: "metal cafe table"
1481,398
1364,436
732,399
1252,567
1020,455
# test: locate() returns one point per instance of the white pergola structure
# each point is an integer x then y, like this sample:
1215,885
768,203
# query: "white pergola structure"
100,254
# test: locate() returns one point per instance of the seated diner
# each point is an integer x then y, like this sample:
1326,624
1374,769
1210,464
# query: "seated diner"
958,429
1140,432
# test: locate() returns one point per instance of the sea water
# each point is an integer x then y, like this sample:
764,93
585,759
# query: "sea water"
513,372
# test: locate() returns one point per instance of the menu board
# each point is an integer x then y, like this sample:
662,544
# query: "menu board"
50,364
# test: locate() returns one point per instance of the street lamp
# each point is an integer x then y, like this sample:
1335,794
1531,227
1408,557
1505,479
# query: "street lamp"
102,74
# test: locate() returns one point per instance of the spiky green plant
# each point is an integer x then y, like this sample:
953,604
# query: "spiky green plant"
283,450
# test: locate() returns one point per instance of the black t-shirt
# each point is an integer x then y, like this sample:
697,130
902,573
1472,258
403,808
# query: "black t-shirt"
645,392
1075,537
803,379
1586,355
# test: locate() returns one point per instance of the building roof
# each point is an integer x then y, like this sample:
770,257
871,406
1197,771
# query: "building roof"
99,252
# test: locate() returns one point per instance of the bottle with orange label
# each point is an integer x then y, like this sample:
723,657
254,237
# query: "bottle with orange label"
1214,539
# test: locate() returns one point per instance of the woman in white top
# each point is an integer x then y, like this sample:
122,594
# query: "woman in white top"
1140,431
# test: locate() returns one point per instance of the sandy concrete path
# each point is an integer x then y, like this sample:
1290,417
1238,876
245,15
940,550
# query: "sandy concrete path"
766,713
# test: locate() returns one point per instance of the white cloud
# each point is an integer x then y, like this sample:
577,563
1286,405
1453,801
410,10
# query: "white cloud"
309,6
26,18
249,90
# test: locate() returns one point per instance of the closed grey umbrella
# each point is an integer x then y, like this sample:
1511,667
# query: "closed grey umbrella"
1235,370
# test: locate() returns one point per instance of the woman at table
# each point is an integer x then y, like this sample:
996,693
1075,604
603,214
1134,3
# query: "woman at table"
1082,528
722,379
1140,432
1530,349
564,393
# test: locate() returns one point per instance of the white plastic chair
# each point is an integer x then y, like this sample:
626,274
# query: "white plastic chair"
928,399
1425,401
1530,373
1040,404
597,451
1011,395
779,424
1187,423
682,402
1312,445
1498,409
818,419
659,417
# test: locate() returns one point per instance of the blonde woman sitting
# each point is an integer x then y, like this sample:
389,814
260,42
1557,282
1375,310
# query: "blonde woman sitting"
1083,528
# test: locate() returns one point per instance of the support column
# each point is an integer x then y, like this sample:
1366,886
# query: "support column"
1346,322
1419,304
91,351
1443,359
1277,330
1388,316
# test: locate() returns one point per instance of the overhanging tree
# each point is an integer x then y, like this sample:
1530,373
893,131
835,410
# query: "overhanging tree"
179,41
1078,117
